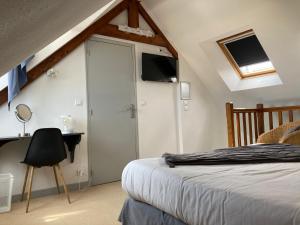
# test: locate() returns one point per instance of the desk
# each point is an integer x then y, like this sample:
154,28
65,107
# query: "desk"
71,140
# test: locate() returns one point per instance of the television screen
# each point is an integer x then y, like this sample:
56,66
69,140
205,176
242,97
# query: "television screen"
159,68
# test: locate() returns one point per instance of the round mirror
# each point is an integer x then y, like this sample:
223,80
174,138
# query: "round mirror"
23,114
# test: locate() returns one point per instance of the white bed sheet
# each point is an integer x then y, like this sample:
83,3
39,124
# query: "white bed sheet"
253,194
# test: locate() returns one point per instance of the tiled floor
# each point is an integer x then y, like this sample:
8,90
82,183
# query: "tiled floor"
98,205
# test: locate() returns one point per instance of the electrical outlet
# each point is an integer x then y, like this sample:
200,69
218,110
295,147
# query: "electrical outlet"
78,102
80,172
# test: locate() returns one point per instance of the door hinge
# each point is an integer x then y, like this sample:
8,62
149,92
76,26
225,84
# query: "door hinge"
88,52
91,173
91,112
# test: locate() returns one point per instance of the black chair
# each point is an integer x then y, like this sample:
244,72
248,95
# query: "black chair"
46,149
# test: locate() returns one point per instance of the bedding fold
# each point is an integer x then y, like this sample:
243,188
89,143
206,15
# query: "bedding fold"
260,153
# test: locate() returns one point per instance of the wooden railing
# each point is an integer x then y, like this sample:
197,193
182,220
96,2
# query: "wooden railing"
245,125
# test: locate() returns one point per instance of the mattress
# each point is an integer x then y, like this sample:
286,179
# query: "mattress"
252,194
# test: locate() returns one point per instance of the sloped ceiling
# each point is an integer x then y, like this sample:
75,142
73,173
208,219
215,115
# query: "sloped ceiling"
29,25
26,26
190,24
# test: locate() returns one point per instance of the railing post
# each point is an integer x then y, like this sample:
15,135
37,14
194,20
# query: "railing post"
230,124
260,119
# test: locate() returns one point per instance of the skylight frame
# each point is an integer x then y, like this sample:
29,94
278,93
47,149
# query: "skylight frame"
3,81
222,44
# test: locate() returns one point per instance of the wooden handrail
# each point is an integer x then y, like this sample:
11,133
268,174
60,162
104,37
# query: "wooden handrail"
268,109
239,119
243,110
282,108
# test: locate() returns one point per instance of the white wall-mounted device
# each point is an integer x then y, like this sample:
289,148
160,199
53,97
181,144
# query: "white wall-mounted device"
185,90
51,73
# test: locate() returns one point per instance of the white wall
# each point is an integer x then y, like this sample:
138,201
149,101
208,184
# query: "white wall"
163,125
49,98
198,130
189,25
157,115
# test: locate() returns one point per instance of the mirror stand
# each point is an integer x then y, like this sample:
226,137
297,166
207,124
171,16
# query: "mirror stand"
24,134
23,114
24,128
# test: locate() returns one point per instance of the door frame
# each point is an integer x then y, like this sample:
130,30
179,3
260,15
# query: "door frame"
133,50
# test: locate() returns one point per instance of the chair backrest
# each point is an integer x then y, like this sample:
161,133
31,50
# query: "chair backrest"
244,125
46,148
274,135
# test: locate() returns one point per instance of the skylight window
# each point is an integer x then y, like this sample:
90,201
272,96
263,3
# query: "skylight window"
3,81
246,55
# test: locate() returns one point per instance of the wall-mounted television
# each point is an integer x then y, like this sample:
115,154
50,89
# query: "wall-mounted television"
159,68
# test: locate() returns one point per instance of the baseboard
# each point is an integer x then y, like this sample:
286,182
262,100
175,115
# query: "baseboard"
51,191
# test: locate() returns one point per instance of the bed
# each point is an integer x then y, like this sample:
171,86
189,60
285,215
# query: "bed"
211,195
251,194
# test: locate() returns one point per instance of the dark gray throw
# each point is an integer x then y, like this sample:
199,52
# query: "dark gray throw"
261,153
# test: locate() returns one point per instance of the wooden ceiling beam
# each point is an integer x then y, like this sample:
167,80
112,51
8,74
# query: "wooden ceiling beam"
3,95
102,27
67,48
156,29
133,14
113,31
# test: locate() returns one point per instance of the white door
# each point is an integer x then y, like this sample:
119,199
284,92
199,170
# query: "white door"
112,137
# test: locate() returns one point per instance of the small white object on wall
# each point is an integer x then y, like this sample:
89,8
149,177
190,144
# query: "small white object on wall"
78,102
51,73
185,90
143,103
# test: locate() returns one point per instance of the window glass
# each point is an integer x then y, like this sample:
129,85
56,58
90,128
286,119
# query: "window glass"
3,81
246,54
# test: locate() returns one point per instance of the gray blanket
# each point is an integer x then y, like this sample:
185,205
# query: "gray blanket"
261,153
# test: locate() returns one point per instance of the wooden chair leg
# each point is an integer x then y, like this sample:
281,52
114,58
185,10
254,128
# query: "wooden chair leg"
25,183
63,182
31,169
56,180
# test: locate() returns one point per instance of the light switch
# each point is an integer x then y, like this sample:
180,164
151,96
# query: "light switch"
78,102
185,105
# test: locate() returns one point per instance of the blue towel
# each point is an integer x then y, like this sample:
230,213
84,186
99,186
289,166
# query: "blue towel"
17,78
